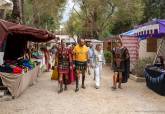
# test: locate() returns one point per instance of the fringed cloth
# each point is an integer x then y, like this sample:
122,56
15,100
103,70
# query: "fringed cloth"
81,65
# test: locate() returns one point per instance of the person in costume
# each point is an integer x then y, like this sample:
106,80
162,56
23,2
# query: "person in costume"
71,77
125,74
81,58
47,59
119,65
63,58
98,61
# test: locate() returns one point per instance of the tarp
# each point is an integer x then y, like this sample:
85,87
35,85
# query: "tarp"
129,33
27,33
152,29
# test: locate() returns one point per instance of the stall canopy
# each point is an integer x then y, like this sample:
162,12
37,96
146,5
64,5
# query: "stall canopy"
152,29
25,32
14,37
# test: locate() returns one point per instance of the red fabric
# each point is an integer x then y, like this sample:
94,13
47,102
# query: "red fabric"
17,70
33,34
132,44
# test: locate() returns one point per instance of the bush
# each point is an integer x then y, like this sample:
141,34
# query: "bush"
107,55
140,66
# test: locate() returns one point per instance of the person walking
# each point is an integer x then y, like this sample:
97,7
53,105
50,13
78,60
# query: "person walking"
119,57
80,53
91,57
98,61
63,60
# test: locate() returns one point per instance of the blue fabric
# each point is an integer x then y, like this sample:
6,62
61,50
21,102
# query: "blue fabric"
91,52
129,33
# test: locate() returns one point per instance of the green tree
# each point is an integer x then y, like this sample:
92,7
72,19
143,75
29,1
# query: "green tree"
153,9
100,18
94,16
44,13
127,15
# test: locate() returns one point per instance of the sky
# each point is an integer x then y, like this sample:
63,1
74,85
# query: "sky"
68,10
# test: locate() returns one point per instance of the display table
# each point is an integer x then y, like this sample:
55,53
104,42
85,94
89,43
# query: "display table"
18,83
155,79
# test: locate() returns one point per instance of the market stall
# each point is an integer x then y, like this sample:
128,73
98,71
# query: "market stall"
155,73
17,72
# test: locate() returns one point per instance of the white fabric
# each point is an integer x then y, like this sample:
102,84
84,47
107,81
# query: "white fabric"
97,73
148,27
98,57
1,57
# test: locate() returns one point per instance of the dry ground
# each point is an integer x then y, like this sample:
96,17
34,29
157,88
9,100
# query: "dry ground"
42,98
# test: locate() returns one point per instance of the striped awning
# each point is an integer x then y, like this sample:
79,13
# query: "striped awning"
153,29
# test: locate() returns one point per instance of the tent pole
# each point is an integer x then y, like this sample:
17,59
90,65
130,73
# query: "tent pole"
158,51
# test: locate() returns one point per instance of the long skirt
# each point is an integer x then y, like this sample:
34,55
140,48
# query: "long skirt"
55,74
71,75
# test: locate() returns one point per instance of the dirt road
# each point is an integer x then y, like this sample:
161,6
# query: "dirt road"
42,98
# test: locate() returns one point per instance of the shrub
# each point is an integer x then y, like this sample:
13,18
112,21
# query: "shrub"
141,64
107,55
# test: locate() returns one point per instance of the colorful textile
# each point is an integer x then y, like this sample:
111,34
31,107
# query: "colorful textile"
71,77
63,56
80,53
17,70
118,59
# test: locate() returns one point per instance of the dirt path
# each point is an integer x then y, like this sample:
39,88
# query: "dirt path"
42,98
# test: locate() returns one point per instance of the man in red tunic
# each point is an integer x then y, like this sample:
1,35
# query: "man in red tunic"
63,58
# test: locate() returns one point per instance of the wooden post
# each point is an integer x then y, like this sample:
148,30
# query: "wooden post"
158,51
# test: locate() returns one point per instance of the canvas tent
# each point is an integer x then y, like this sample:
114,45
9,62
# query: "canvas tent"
155,75
153,29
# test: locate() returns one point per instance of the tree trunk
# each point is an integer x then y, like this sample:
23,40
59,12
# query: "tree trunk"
2,13
16,13
22,11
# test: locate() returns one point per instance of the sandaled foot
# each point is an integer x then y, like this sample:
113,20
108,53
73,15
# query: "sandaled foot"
77,89
60,91
97,87
120,87
83,87
65,88
113,88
